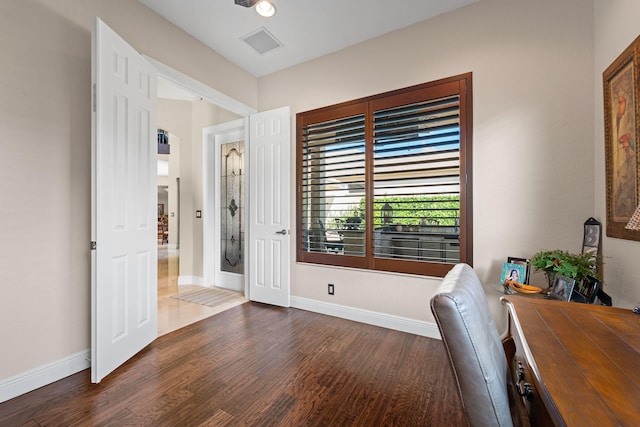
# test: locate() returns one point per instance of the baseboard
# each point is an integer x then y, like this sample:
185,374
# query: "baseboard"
54,371
43,375
190,280
231,288
388,321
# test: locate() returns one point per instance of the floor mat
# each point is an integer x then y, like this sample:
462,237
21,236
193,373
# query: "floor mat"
211,297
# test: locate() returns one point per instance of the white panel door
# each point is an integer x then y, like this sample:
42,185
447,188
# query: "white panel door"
124,225
269,206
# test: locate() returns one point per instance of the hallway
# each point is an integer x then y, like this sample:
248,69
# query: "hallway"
174,314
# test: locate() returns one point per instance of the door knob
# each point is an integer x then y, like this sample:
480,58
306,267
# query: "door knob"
283,232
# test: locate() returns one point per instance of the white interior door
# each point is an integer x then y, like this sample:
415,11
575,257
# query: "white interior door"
124,261
269,205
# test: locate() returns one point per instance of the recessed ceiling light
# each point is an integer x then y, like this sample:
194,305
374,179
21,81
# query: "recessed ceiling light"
265,8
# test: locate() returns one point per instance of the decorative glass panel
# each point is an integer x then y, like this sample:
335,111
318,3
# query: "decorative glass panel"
232,207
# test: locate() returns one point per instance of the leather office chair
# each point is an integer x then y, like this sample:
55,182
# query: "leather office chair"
475,350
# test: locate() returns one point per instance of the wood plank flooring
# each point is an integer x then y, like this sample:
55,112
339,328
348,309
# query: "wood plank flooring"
258,365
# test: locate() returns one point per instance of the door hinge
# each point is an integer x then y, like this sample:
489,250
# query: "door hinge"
93,246
93,98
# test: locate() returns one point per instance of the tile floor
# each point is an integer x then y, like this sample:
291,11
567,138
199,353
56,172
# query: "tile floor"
173,313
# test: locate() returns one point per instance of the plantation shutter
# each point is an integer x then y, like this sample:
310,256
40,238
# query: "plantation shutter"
384,182
416,181
332,186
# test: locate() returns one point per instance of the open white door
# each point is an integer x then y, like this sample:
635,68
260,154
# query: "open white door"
269,206
123,227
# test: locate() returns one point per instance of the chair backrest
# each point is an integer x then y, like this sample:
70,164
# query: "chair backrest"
474,347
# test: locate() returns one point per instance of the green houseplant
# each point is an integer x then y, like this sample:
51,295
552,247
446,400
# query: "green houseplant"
580,267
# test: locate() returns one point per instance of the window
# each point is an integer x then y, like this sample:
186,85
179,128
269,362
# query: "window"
384,183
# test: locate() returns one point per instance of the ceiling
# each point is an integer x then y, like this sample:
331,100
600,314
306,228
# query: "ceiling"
306,29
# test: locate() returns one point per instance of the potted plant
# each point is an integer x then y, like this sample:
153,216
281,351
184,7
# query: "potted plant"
580,267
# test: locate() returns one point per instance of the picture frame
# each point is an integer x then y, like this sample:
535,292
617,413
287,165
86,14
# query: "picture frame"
591,241
527,266
585,292
621,81
562,287
508,269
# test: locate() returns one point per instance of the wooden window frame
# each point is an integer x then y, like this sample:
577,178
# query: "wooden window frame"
460,85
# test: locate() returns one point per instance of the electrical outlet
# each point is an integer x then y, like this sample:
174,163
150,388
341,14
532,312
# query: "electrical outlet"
331,289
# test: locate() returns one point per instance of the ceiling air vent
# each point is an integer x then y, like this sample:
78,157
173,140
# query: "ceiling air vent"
262,41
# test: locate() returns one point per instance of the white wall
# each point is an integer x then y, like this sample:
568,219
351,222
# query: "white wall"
173,192
204,115
532,65
616,26
175,116
45,118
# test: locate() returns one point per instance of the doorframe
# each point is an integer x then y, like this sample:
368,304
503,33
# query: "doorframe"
205,92
218,98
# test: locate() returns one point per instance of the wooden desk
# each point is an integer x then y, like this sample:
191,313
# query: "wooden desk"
583,361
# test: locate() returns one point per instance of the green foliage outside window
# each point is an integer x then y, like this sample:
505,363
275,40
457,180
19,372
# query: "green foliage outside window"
412,210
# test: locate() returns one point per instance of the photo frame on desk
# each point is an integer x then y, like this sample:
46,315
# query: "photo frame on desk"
527,267
512,271
562,287
592,238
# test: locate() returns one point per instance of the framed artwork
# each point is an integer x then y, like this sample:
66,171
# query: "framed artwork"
562,287
527,267
621,107
512,271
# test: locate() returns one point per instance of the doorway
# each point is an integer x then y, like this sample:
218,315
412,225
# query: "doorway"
182,115
168,192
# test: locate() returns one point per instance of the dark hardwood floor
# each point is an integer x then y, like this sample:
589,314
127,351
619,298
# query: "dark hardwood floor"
262,366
